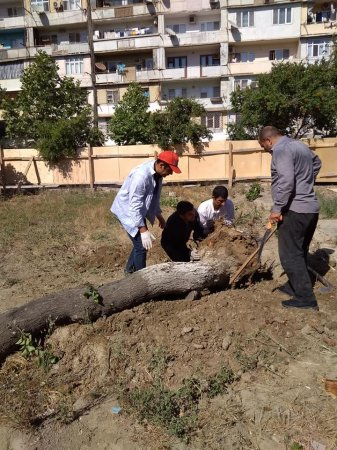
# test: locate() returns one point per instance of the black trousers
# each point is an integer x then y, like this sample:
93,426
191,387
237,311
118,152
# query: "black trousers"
177,254
294,236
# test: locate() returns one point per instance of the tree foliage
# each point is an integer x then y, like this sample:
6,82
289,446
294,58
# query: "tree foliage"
50,111
179,124
297,98
130,123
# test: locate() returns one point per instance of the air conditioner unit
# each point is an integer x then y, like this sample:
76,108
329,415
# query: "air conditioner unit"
192,20
216,100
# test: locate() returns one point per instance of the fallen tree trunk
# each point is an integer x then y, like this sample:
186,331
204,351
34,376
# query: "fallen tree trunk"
221,256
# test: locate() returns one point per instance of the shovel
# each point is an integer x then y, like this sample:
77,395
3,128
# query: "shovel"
267,235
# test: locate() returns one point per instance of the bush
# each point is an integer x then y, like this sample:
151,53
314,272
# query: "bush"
254,192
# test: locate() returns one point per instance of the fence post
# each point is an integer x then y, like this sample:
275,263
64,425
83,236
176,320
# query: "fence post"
2,170
230,166
91,168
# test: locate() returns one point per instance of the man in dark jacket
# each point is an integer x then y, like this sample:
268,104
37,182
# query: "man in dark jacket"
294,168
177,232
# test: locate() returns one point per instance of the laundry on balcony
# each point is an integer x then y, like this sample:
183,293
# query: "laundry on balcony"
129,32
325,13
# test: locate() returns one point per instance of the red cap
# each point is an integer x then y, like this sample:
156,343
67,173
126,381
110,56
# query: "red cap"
171,159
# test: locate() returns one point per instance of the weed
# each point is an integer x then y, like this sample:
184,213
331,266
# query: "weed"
253,192
218,384
174,410
92,294
158,362
328,206
296,446
29,348
248,362
253,215
170,202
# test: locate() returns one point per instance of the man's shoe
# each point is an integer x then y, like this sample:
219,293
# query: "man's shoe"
293,303
285,289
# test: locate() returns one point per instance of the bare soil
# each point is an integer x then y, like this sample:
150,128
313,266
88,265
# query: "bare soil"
279,357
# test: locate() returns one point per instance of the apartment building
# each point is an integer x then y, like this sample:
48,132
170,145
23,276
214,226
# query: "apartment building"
202,49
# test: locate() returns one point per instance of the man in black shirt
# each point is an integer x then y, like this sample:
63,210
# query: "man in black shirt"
177,232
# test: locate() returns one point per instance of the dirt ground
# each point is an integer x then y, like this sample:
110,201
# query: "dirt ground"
279,357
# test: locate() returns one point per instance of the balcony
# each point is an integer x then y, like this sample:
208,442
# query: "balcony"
250,68
120,12
61,49
195,38
46,18
148,75
13,53
195,6
110,78
12,22
127,43
193,72
317,29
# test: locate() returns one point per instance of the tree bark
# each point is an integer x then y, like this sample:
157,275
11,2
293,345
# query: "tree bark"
72,306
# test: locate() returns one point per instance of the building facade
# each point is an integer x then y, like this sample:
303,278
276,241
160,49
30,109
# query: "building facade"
202,49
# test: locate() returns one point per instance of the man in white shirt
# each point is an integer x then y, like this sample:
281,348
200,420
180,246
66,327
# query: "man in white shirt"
219,207
138,200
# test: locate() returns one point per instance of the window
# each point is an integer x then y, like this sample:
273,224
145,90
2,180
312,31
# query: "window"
10,71
209,26
209,60
317,48
179,28
15,11
71,4
279,54
74,66
177,62
112,96
146,92
245,19
144,64
48,39
216,91
242,83
174,93
111,66
74,38
281,16
245,57
40,5
212,120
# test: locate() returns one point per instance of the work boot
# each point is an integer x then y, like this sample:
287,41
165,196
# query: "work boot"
293,303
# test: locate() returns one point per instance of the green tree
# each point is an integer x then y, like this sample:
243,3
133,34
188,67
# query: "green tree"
296,98
47,104
179,124
130,123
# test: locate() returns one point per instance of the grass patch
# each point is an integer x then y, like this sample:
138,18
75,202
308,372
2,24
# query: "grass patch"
254,192
176,410
328,206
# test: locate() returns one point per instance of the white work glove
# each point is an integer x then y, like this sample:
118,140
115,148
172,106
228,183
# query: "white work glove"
147,239
227,223
195,255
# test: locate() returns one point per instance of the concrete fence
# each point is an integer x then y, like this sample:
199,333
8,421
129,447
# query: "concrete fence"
220,161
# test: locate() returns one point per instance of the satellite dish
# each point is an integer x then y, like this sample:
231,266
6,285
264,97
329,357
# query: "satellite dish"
100,66
170,32
233,25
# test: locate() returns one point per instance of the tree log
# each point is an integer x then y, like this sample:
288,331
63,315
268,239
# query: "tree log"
222,254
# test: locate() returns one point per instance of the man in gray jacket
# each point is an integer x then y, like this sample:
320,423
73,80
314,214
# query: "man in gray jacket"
294,168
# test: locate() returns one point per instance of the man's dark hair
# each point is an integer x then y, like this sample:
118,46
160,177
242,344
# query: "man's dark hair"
220,191
184,207
269,131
